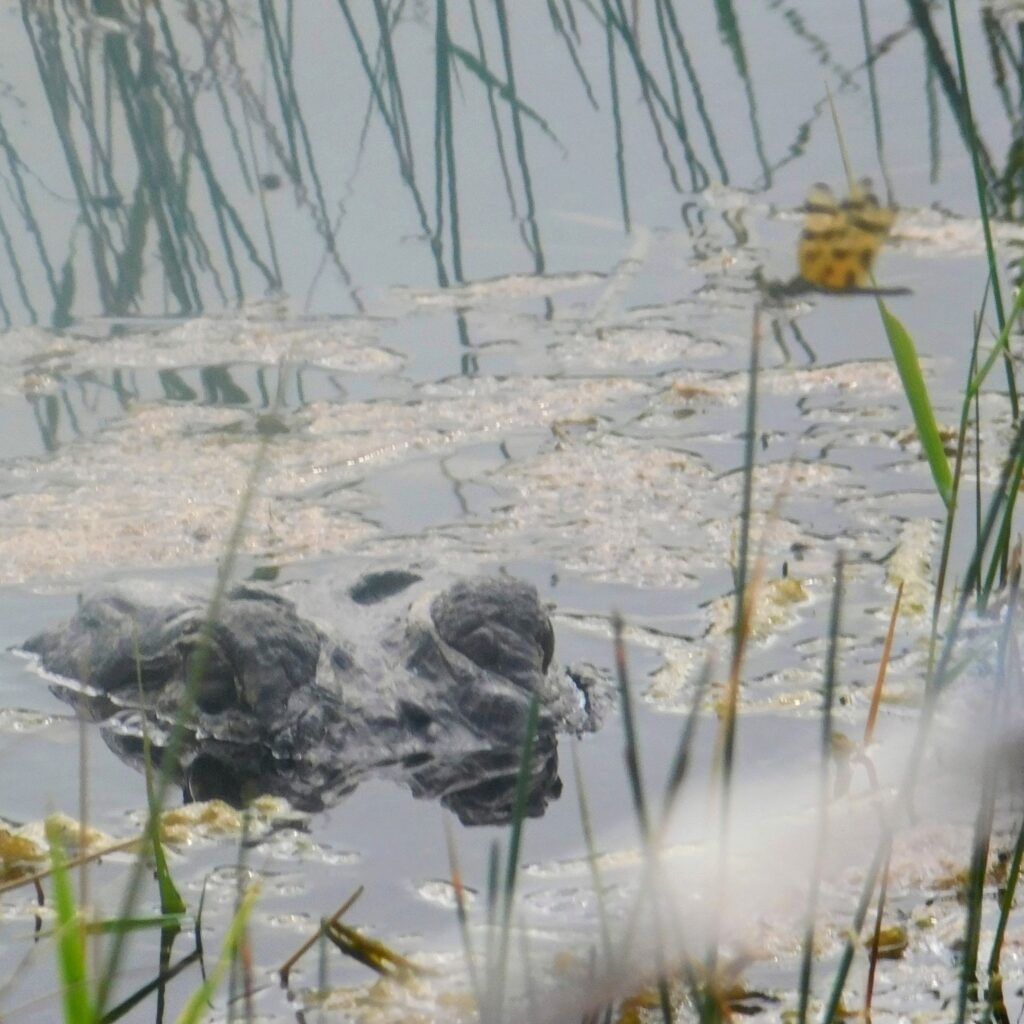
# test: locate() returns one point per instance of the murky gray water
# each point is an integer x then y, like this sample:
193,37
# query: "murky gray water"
491,345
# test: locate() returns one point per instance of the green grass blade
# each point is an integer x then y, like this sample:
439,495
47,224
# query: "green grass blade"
522,798
1002,346
998,564
196,1006
904,354
681,759
78,1008
632,745
592,858
171,902
1006,898
225,572
468,952
133,924
742,615
160,982
958,465
519,808
981,187
636,786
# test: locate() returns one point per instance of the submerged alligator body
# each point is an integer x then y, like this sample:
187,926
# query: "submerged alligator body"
429,687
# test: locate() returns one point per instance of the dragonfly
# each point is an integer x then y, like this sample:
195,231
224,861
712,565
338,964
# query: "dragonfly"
839,243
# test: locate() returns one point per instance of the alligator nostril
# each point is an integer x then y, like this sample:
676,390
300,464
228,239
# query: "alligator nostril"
547,645
415,718
211,778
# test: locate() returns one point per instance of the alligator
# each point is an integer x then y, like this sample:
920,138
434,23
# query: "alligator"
306,692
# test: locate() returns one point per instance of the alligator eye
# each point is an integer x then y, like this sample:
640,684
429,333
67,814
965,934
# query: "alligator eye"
212,676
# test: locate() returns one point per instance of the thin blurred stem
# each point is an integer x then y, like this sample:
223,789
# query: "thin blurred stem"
986,811
981,182
814,883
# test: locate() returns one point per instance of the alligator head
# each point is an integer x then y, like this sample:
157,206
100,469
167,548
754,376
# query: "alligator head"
429,687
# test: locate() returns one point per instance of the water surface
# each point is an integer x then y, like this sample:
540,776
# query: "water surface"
485,286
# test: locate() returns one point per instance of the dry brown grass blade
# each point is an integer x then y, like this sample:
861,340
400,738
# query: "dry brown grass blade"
287,966
374,954
883,667
459,887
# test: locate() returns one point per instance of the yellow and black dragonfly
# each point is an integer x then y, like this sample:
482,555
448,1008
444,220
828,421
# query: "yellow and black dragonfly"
839,244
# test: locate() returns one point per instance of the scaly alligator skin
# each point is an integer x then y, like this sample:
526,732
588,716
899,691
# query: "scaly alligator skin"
430,687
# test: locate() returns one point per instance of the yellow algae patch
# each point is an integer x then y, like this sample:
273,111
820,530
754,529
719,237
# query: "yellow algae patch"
180,824
23,851
69,831
910,564
19,855
387,1001
773,607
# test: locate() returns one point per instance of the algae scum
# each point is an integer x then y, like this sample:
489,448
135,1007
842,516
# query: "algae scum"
476,287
